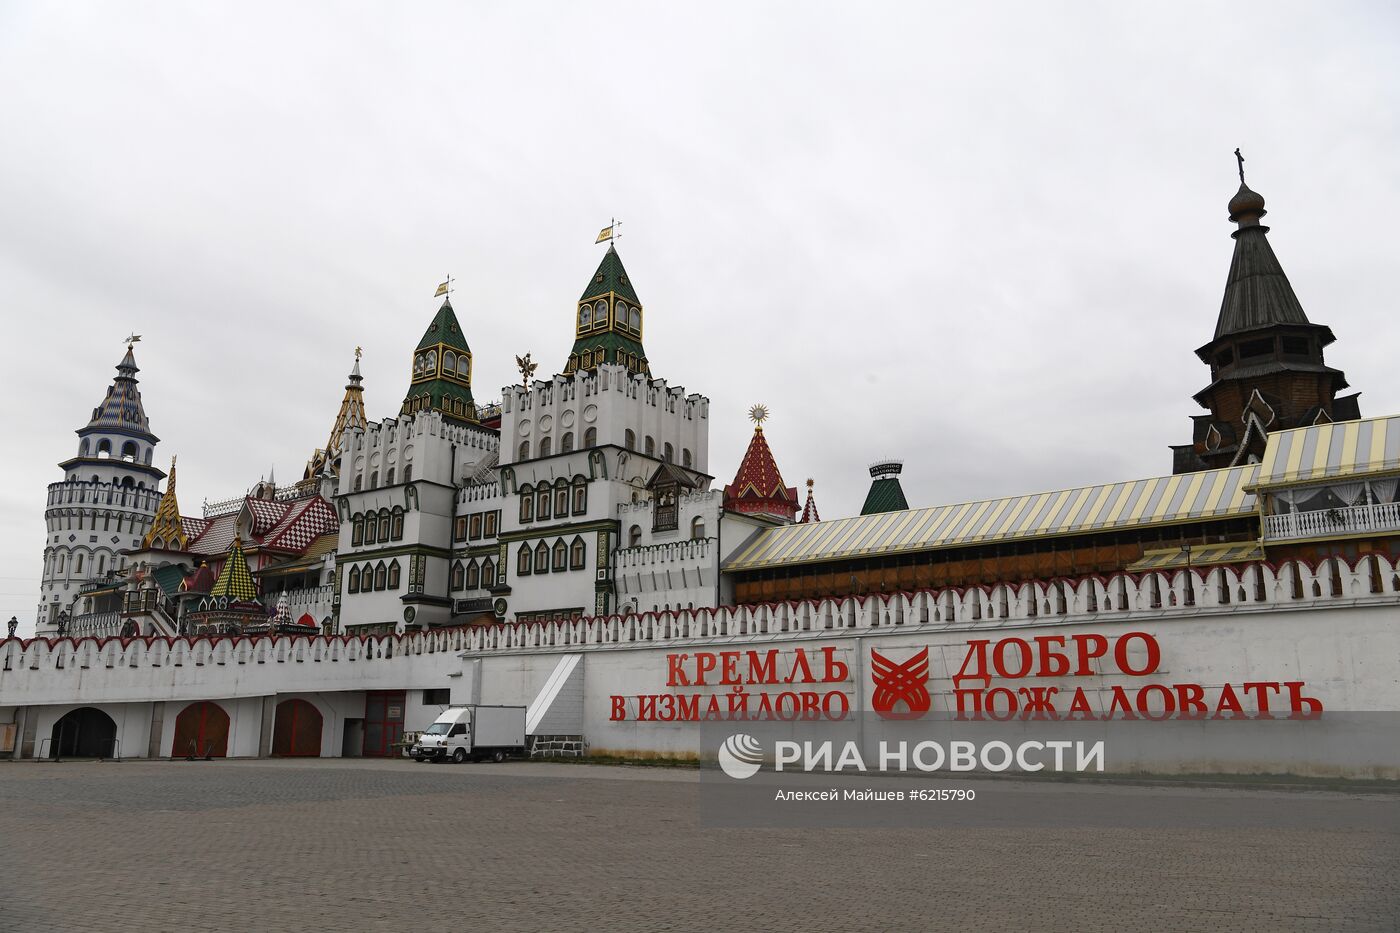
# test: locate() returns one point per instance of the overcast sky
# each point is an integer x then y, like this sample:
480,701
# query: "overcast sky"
984,238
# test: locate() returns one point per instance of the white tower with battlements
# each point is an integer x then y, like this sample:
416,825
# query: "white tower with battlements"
104,503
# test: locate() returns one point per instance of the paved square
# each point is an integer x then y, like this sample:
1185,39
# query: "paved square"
389,845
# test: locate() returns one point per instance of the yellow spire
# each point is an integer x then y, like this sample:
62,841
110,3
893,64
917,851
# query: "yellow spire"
167,533
235,579
351,415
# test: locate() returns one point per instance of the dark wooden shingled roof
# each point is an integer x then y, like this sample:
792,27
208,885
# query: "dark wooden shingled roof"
1257,292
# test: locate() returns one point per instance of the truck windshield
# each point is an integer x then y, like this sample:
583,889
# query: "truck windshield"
438,728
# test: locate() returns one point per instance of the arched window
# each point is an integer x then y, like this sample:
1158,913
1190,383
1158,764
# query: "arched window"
473,575
566,443
418,365
636,321
600,313
527,504
651,446
356,486
488,573
366,578
580,496
384,524
61,562
373,479
457,575
449,363
542,511
634,536
381,576
78,564
577,554
697,528
590,437
101,564
407,472
668,453
560,556
394,575
430,362
389,477
561,498
104,449
541,558
464,367
129,451
687,460
352,581
522,561
546,446
371,529
585,317
396,533
524,451
629,440
357,531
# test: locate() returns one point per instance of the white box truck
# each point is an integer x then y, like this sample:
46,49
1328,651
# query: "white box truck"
473,732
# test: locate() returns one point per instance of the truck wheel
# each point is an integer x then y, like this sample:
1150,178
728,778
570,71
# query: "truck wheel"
498,756
459,756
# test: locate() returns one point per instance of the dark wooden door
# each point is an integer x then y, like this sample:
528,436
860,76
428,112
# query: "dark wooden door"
383,721
201,730
297,731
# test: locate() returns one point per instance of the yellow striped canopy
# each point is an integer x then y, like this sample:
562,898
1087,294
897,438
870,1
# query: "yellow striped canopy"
1324,451
1189,497
1199,556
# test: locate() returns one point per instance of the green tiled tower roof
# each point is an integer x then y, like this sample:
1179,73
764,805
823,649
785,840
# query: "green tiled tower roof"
885,495
608,321
440,381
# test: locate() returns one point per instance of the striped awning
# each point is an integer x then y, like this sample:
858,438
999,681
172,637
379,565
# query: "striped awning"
1200,555
1188,497
1324,451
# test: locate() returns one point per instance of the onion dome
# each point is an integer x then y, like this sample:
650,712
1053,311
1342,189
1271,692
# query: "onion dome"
1246,201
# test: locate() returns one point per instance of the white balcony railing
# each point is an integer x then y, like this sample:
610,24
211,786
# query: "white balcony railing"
1325,523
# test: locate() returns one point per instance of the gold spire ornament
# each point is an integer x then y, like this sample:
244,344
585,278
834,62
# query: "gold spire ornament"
758,414
134,338
444,288
610,232
527,369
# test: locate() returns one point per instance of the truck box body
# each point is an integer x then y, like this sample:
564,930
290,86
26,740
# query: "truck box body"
473,732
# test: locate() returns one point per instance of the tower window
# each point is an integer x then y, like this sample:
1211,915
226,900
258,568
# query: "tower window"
464,367
527,504
524,451
394,575
668,453
561,499
1256,348
449,362
430,363
585,316
541,558
490,529
621,315
546,446
600,314
686,460
560,556
590,437
1295,346
580,496
542,504
488,573
457,575
636,321
473,575
522,561
630,439
577,554
634,536
566,443
651,446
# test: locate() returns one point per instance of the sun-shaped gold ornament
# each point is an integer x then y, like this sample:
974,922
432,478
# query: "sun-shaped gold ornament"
758,414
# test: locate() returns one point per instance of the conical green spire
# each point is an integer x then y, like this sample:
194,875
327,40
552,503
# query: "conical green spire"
608,321
442,370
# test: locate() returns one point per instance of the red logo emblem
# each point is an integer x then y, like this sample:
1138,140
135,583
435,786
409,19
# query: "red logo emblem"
896,683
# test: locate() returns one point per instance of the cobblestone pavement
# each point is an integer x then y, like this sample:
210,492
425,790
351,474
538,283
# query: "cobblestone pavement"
253,846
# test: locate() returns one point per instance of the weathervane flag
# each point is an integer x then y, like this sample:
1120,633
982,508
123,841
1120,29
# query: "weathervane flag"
605,234
442,290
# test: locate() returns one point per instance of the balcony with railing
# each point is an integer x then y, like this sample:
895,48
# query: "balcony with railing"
1381,517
